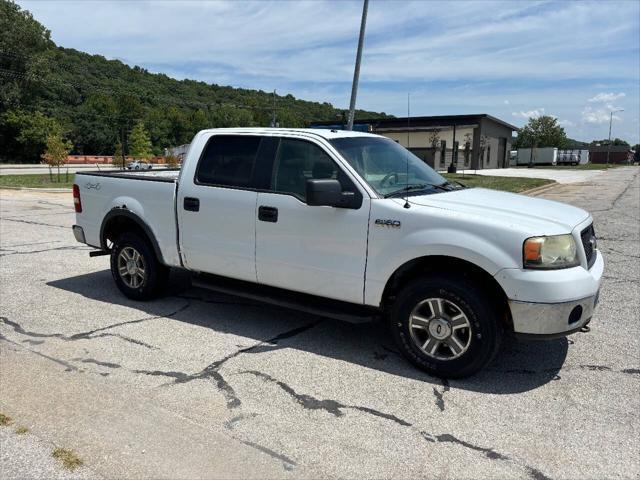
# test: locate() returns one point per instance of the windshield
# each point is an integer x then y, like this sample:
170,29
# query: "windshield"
383,164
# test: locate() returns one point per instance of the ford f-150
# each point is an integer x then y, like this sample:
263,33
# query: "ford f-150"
352,226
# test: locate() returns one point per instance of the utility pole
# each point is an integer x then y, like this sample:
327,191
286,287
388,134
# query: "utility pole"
356,71
273,117
610,121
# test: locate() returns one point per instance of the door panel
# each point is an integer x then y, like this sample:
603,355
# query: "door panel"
317,250
217,211
220,237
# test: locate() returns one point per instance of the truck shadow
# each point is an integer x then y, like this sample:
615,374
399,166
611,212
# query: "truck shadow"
519,367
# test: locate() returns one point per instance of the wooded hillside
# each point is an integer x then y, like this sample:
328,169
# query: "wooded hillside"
95,103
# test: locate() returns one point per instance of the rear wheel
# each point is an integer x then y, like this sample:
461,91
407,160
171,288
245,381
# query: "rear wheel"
446,325
135,267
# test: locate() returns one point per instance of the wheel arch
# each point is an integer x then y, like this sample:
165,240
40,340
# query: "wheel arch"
119,220
421,266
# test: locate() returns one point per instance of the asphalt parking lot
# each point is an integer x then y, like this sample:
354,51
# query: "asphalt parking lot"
558,174
201,385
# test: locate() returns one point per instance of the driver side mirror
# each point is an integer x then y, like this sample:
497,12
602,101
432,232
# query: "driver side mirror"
325,192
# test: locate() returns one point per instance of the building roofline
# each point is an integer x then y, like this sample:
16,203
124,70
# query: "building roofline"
444,118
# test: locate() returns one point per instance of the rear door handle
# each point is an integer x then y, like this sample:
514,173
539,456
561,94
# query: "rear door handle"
192,204
268,214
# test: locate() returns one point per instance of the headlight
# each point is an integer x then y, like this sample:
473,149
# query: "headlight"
558,251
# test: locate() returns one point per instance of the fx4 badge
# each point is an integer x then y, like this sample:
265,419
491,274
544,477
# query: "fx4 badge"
388,223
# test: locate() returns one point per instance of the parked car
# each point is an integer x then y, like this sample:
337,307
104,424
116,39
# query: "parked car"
139,165
352,226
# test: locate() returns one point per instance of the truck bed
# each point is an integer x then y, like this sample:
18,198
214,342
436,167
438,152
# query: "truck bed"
164,175
150,195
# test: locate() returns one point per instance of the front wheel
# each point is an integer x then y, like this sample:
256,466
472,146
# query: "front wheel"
135,267
446,325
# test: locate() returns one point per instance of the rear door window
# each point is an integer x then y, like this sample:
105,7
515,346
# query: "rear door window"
228,160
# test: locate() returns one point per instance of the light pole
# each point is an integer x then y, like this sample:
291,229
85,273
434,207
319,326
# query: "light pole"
356,71
611,120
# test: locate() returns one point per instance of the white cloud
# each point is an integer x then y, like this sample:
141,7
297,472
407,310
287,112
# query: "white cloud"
454,57
607,97
566,123
591,115
535,113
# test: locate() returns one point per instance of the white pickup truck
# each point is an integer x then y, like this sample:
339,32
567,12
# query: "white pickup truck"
352,226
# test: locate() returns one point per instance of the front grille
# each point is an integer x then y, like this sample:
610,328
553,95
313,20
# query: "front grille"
588,236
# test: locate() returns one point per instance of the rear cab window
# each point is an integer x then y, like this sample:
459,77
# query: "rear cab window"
228,160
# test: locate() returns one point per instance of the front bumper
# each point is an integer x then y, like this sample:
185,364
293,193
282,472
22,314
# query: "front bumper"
549,320
552,303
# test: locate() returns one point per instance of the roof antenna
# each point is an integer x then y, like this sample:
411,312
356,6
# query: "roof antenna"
406,198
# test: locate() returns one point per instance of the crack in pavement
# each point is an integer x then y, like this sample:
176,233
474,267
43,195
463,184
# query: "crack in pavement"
68,247
67,365
335,408
96,362
331,406
591,368
30,222
490,453
287,462
30,244
440,395
211,370
17,328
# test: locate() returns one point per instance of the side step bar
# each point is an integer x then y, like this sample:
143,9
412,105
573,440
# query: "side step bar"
347,312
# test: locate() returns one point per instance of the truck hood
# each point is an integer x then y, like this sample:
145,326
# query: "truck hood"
535,214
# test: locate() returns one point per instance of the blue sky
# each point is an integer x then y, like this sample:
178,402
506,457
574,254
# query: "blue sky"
576,60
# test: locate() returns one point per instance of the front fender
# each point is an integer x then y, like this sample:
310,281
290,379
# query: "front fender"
386,255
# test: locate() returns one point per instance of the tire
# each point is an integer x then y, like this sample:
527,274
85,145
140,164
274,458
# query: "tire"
413,323
136,269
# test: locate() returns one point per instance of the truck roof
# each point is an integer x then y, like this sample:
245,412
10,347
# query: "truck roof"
318,132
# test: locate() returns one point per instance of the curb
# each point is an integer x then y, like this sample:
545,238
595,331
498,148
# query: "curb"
45,190
541,189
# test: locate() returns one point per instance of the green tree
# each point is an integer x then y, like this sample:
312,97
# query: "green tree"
616,142
541,132
56,152
118,156
27,134
95,101
434,138
22,41
95,125
171,160
139,142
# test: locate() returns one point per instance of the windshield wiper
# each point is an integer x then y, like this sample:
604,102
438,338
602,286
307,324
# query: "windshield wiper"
453,184
418,186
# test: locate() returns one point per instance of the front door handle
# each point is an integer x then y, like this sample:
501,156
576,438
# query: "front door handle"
268,214
191,204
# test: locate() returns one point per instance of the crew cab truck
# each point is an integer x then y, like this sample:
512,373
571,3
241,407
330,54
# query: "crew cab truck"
353,226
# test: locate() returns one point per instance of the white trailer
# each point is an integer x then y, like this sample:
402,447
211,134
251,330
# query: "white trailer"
537,156
573,157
